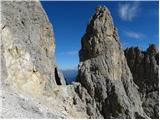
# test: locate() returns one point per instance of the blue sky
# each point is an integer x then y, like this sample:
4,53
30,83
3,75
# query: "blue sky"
137,24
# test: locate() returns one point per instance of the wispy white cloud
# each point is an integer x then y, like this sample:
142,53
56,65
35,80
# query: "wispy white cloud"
134,35
128,11
70,53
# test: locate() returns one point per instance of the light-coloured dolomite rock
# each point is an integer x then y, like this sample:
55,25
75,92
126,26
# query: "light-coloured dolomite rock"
32,85
104,72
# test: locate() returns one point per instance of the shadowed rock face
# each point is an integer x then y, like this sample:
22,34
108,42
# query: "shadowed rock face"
144,67
104,72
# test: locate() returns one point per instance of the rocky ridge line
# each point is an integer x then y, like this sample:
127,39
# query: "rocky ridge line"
144,66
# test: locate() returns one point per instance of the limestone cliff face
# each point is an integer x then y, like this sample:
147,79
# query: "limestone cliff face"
104,72
27,48
144,66
31,84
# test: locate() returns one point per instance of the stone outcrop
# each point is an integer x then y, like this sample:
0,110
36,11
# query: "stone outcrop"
104,73
144,66
31,84
27,47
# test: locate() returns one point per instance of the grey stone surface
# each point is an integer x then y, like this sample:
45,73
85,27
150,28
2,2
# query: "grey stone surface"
32,86
104,73
144,66
27,47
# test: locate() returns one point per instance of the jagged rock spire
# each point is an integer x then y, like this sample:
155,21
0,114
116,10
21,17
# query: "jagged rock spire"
99,28
104,72
152,50
144,67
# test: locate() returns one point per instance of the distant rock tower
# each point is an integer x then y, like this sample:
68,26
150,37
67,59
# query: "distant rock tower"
144,66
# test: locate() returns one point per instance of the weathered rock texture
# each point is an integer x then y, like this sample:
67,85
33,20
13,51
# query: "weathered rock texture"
144,66
27,47
32,86
104,73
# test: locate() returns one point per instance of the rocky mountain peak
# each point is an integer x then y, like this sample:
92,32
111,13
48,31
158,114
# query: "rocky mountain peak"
101,11
144,67
33,87
94,40
104,72
152,50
